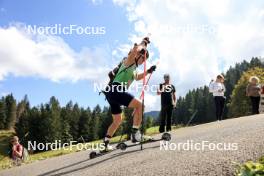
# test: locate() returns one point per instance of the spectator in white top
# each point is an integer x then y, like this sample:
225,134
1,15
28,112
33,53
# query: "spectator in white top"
218,89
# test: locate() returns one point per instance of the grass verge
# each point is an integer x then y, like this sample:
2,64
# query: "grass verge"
251,168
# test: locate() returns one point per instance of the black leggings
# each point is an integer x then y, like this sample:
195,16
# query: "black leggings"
255,104
117,97
165,118
219,106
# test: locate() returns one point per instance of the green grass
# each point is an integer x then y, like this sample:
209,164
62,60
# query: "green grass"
155,130
251,168
5,136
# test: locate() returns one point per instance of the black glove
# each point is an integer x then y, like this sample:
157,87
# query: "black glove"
152,69
145,41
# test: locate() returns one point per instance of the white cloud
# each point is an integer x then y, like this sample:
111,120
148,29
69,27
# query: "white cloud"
197,39
151,100
48,57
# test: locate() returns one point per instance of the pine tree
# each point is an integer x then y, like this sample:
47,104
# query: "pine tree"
74,121
84,124
21,106
55,119
94,124
22,125
104,122
66,136
11,112
35,132
51,124
2,113
45,127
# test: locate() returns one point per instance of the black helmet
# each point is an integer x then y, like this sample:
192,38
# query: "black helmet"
166,76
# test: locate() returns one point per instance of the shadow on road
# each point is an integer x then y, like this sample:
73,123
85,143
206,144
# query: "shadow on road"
52,172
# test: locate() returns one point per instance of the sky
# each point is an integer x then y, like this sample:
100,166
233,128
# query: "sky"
192,40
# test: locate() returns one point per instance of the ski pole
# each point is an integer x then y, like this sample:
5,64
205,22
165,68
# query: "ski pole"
192,117
141,94
146,83
144,86
122,134
143,99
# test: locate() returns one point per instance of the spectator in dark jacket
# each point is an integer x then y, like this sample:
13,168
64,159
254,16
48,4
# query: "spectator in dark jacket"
168,102
253,92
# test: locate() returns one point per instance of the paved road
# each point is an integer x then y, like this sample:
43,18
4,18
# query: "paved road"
245,134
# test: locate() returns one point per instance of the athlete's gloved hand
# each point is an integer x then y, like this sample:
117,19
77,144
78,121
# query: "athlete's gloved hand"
152,69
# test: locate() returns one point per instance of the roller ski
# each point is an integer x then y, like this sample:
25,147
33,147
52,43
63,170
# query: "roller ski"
136,136
135,142
165,137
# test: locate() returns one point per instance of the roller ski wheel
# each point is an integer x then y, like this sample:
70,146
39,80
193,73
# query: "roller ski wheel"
93,155
166,136
122,146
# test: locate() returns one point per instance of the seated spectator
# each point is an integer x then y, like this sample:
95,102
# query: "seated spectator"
17,150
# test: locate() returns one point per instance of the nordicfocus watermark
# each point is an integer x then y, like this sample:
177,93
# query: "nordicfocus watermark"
189,28
133,88
190,145
58,145
59,29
